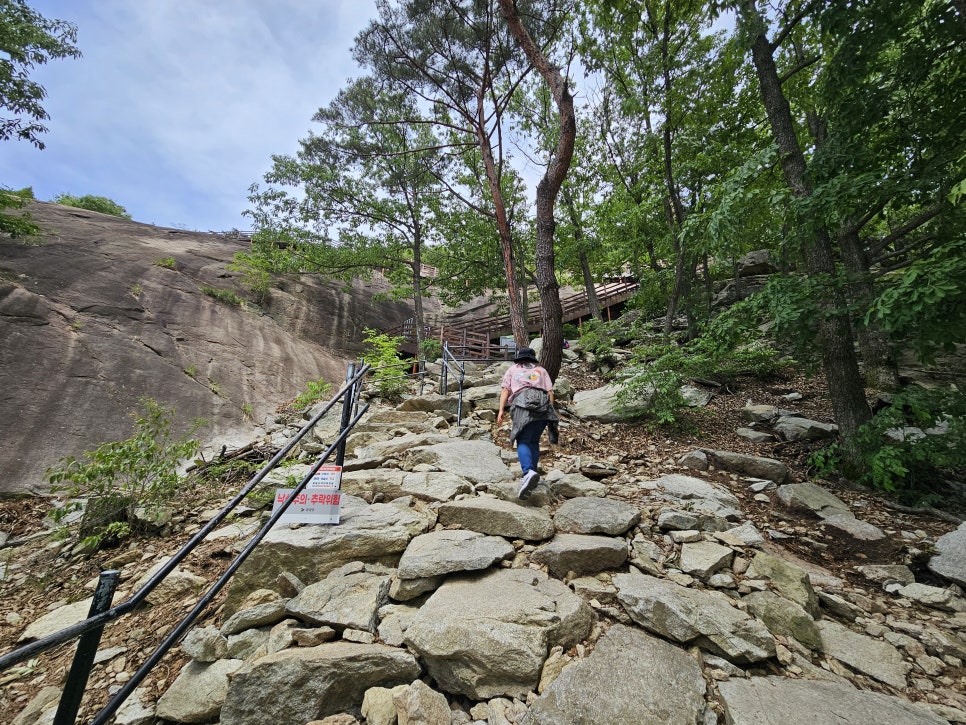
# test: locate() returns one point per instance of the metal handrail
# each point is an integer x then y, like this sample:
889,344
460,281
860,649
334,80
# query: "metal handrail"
455,366
349,394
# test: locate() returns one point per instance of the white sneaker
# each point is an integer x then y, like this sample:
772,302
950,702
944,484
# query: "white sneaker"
528,483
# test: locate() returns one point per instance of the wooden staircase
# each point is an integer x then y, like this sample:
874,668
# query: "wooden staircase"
472,338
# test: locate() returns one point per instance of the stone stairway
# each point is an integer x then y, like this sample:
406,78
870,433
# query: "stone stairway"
440,598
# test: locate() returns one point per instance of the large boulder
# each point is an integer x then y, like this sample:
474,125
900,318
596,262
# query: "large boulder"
755,263
581,554
592,515
812,498
630,677
348,597
498,518
474,461
601,405
755,466
488,635
199,691
759,700
372,534
448,551
309,683
873,657
695,494
688,615
791,581
950,559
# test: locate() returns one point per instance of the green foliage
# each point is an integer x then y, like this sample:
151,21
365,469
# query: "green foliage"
166,263
926,303
93,203
28,39
383,355
431,349
227,296
315,390
730,346
191,371
652,293
908,447
651,392
596,339
17,225
255,277
136,290
118,477
570,331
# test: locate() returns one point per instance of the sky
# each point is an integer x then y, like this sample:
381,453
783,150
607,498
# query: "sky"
177,106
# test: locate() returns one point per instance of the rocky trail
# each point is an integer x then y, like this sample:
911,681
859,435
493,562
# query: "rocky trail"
697,576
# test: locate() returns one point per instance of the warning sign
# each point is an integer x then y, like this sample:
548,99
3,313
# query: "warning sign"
319,503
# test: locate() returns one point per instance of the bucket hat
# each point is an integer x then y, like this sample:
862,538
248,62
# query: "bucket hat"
525,353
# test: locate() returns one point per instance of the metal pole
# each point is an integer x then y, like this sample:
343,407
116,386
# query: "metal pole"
80,670
444,382
346,413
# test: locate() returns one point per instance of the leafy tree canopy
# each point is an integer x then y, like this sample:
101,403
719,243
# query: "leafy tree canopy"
28,39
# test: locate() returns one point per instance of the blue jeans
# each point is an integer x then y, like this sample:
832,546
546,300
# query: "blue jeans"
528,444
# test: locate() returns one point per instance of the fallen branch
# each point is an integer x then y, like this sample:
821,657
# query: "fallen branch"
923,511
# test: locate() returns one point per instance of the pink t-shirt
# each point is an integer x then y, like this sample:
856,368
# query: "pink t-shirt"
521,376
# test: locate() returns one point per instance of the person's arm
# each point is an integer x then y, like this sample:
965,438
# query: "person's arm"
504,396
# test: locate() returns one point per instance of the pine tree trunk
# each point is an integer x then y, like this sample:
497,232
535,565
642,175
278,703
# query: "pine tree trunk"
834,330
518,314
547,189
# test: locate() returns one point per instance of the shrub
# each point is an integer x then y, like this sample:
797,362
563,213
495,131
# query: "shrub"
652,293
595,339
315,390
166,262
383,355
93,203
255,279
908,447
729,347
431,349
21,225
222,295
119,477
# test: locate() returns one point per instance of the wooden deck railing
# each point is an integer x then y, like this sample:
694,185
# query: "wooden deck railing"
470,338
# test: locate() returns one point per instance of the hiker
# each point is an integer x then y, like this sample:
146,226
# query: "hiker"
528,389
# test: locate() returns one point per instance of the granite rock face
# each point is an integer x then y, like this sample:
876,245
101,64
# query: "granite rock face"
91,323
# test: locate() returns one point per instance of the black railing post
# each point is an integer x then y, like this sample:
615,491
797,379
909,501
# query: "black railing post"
444,381
346,413
80,670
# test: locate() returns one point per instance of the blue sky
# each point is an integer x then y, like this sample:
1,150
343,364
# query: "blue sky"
176,106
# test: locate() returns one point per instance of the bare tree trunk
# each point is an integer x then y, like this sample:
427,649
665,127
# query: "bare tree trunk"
418,312
593,304
834,331
547,190
878,361
518,313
